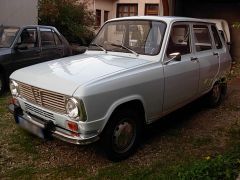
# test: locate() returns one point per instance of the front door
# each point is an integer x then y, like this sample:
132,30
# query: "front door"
26,51
181,77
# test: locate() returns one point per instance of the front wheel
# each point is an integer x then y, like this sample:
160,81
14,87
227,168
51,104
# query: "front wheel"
121,135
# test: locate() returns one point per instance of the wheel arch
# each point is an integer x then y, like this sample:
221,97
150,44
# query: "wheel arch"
132,102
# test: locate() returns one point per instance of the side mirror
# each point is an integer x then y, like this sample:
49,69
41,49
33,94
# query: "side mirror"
21,47
173,57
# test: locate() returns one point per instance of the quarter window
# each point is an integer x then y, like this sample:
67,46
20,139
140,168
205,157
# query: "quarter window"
202,38
179,40
57,39
216,37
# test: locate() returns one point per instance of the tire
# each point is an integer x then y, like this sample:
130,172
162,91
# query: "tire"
216,95
121,135
2,84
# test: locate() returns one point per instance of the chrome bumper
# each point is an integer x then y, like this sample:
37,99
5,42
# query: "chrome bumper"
74,138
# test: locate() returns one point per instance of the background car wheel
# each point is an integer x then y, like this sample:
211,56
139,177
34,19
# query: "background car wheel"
121,135
217,94
2,84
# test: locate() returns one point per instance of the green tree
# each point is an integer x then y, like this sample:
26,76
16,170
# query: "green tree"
71,17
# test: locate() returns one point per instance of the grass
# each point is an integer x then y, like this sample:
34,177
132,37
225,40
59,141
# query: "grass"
198,145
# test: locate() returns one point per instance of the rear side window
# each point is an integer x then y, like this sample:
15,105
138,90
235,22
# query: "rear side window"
47,37
202,38
216,37
179,40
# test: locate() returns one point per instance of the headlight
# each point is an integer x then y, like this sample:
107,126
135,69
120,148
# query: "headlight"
72,108
14,88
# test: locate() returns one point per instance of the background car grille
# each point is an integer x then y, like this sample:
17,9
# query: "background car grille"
47,99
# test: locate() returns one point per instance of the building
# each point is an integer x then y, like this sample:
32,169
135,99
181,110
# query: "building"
108,9
18,12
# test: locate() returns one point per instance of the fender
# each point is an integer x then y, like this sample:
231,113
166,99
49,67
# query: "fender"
119,102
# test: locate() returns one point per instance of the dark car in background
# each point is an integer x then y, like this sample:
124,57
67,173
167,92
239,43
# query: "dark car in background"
25,46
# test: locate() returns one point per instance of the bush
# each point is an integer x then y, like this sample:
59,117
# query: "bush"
70,17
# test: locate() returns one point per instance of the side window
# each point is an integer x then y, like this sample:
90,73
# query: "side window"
202,38
179,40
47,37
217,39
57,39
28,38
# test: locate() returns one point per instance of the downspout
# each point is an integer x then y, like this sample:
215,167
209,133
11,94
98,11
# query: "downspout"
165,7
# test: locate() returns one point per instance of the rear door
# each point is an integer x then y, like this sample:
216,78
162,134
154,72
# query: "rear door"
52,47
181,77
207,57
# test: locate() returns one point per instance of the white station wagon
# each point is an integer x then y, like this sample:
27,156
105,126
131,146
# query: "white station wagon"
135,71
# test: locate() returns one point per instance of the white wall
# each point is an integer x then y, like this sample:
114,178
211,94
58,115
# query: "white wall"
18,12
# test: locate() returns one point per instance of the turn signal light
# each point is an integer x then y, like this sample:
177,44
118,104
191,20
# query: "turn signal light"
14,101
72,126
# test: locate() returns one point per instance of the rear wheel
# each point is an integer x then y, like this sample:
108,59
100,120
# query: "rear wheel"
2,84
121,135
217,94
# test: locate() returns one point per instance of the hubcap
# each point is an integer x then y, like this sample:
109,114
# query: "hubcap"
124,136
216,92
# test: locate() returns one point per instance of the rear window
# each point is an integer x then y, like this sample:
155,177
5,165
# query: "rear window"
47,37
202,38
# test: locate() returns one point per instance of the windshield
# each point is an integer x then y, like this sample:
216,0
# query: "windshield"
7,36
138,37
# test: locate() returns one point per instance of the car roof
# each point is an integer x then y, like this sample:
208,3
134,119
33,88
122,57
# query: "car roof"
167,19
42,26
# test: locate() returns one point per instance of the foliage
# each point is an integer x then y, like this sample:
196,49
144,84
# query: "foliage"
236,25
71,17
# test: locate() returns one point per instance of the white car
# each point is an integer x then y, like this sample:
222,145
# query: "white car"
136,70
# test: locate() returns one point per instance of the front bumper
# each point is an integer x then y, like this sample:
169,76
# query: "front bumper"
49,129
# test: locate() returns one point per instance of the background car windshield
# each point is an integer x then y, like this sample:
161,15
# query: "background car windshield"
143,37
7,36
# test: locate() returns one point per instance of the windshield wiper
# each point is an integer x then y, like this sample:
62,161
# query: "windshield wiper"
124,47
101,47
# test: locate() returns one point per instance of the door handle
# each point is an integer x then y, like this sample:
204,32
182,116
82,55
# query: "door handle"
215,54
194,59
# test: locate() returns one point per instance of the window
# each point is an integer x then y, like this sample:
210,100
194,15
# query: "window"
57,39
106,13
98,17
29,38
202,38
47,37
143,37
151,9
124,10
217,39
179,40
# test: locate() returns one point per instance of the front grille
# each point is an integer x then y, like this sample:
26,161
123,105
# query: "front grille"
44,98
38,112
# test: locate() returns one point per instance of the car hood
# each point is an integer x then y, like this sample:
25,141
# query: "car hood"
5,51
67,74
